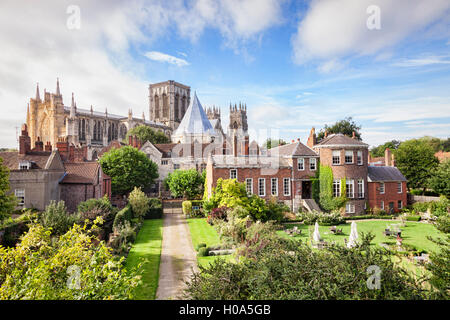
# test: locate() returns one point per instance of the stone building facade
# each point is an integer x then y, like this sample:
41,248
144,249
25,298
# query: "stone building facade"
49,120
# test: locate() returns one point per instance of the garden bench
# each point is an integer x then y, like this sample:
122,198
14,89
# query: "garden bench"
335,231
388,232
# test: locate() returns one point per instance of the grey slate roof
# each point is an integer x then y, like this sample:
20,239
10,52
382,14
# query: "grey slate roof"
339,139
292,149
195,120
385,173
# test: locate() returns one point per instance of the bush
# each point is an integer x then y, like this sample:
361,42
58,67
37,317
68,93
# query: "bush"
443,223
187,207
203,252
123,237
217,214
200,245
139,203
323,218
156,210
368,216
126,214
57,218
234,229
412,218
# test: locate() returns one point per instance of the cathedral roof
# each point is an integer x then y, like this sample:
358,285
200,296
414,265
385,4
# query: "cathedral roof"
195,120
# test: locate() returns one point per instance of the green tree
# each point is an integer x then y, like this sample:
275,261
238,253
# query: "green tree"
440,268
185,183
7,201
272,143
445,145
379,150
439,182
57,218
72,267
433,142
139,203
146,133
128,168
416,160
346,126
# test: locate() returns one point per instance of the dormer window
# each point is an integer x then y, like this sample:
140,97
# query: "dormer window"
24,165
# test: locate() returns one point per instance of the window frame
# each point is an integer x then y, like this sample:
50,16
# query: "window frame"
263,185
400,204
352,206
351,183
311,162
286,186
382,188
20,194
399,187
382,205
361,194
345,157
302,161
247,185
236,173
333,157
338,183
359,158
272,185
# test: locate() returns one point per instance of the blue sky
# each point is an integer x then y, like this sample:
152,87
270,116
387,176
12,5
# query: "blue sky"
296,64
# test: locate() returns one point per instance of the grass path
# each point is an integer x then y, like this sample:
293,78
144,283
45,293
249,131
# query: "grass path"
147,246
202,232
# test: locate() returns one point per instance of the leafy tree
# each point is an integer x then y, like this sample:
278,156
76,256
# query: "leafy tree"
440,268
7,201
139,203
185,183
72,267
445,145
433,142
57,218
128,168
440,180
416,160
272,143
146,133
379,150
346,126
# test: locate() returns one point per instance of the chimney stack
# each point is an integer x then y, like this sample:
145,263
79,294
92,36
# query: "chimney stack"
24,141
39,145
48,146
312,139
387,157
353,135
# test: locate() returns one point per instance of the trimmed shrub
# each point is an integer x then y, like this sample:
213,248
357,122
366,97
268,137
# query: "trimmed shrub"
412,218
203,252
139,203
323,218
368,216
200,245
187,207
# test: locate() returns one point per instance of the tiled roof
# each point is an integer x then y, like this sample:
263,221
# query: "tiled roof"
81,172
442,156
231,161
339,139
175,150
37,158
292,149
385,173
113,144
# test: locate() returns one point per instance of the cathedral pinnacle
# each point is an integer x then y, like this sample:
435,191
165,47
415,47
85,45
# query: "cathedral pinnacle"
73,107
37,92
58,93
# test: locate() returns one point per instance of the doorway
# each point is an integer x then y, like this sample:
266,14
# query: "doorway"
306,189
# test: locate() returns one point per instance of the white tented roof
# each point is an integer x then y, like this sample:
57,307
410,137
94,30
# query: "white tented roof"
195,120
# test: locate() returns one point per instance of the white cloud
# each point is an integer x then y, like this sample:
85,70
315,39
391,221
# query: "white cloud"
337,28
432,60
163,57
330,66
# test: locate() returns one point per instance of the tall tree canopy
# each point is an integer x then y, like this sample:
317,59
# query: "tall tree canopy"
145,133
7,201
185,183
272,143
440,179
128,168
416,160
379,150
346,126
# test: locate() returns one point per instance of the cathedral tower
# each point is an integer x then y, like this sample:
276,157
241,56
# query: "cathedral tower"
168,102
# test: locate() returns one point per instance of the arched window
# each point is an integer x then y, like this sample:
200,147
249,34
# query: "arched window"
165,106
123,131
156,100
95,131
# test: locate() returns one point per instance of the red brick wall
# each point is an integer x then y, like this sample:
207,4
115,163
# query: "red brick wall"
390,195
73,194
255,174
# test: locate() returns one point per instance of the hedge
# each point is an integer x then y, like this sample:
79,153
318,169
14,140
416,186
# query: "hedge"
156,210
126,214
368,216
412,218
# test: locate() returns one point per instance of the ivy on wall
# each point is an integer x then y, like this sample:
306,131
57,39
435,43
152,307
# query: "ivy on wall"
322,189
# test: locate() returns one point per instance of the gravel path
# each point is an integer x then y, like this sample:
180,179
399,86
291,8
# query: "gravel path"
178,258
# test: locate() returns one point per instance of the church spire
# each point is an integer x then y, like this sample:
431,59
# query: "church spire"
38,98
58,92
73,108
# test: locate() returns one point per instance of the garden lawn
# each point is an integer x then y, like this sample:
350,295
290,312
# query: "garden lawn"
414,233
203,232
148,247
